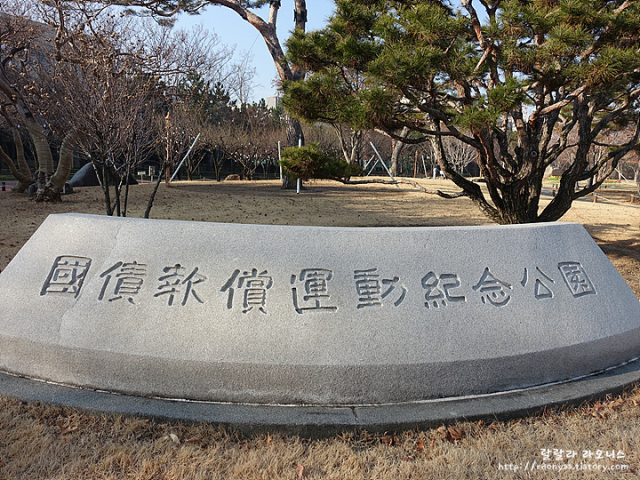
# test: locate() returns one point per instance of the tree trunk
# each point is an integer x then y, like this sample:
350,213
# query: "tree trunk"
106,190
54,182
45,163
117,189
153,194
126,191
23,174
397,149
65,162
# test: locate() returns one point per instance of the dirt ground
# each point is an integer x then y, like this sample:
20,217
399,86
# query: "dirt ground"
614,226
40,441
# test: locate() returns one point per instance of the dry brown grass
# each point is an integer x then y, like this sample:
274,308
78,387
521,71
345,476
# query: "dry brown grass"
41,441
47,442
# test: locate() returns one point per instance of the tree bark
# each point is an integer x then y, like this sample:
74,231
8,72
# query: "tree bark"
398,145
152,197
21,171
54,183
65,162
126,191
106,190
46,191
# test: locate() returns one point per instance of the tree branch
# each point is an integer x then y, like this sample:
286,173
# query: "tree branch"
397,181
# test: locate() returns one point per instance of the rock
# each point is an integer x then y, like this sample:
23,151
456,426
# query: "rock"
311,315
86,177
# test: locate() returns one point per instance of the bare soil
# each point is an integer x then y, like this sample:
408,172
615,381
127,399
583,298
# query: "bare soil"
41,441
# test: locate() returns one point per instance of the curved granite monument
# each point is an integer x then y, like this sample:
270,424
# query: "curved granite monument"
328,318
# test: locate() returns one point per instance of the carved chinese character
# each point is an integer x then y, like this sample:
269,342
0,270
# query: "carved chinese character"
392,284
541,287
66,275
437,289
315,290
129,278
177,282
576,279
255,288
369,291
493,290
368,288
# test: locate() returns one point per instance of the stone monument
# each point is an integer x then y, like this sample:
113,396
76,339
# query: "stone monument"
312,317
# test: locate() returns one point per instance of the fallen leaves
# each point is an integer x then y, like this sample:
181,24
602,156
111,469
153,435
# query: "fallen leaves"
450,434
602,410
66,427
389,439
173,438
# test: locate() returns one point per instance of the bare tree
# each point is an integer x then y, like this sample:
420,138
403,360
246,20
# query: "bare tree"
137,145
459,154
266,27
114,73
23,43
350,141
241,80
249,148
181,127
324,136
211,142
252,150
21,171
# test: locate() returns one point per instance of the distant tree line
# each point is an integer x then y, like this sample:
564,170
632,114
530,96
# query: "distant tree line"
120,90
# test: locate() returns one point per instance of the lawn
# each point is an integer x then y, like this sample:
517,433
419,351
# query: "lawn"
595,440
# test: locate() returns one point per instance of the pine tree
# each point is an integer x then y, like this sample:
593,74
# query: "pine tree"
520,81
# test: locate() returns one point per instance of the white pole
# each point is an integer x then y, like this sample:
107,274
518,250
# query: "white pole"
367,164
279,159
621,175
383,164
185,157
373,168
298,181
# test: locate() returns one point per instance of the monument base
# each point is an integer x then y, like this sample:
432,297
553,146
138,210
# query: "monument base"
316,421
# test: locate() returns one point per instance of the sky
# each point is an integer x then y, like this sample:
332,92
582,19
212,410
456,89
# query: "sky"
234,31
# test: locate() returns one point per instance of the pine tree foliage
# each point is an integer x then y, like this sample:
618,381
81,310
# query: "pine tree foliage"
310,162
521,81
